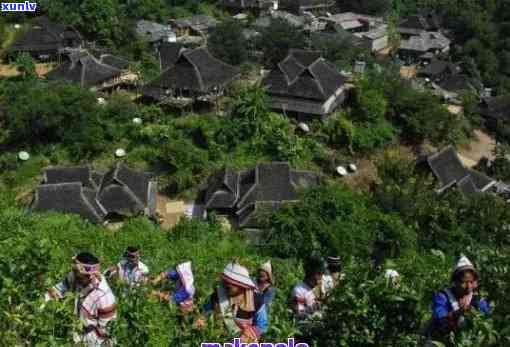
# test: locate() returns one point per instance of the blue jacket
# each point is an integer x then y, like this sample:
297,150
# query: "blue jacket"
442,306
180,294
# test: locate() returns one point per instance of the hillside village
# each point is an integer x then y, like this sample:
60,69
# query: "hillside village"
370,138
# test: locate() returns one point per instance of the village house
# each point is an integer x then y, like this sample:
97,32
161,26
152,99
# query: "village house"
299,7
305,84
194,29
417,24
243,195
264,22
195,76
457,84
438,69
496,111
450,172
155,33
45,40
94,196
252,6
370,32
423,46
90,72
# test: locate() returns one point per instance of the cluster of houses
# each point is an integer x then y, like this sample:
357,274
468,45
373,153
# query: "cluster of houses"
304,85
102,197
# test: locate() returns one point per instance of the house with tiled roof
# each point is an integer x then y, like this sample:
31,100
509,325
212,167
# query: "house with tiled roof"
45,40
196,75
252,6
300,6
416,24
94,196
450,172
155,33
369,31
306,84
243,194
198,25
102,73
496,111
438,69
423,45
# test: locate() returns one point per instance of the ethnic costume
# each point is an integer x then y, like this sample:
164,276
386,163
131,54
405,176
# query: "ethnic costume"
244,315
266,291
95,303
132,274
447,315
305,300
182,275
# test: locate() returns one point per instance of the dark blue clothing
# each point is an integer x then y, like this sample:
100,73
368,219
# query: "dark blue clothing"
259,317
442,306
267,295
180,294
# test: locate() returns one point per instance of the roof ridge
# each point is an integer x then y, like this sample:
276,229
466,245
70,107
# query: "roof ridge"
287,78
315,78
187,54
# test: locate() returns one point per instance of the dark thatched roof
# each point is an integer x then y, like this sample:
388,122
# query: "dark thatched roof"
79,190
45,36
169,53
456,83
266,185
439,67
295,77
81,174
429,22
242,4
196,70
221,189
449,170
68,198
85,69
114,61
306,5
497,107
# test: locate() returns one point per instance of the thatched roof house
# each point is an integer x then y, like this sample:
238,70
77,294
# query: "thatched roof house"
305,83
242,194
45,40
196,73
94,196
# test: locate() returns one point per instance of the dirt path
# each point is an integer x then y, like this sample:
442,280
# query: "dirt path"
481,146
408,71
9,70
170,212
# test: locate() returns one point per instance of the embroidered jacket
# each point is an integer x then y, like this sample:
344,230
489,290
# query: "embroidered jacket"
130,274
304,299
95,305
254,323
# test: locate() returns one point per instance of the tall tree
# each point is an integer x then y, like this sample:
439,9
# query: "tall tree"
228,43
277,39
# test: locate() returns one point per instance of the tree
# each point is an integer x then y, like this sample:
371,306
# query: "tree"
25,65
277,39
228,43
48,112
100,19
